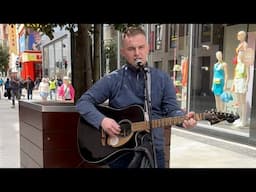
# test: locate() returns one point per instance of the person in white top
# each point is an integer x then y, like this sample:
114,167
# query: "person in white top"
44,89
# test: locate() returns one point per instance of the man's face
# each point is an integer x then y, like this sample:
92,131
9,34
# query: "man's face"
135,47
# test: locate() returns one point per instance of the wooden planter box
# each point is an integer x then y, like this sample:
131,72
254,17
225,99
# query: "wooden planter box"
48,135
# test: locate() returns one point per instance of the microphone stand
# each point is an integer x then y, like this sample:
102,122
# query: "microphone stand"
149,109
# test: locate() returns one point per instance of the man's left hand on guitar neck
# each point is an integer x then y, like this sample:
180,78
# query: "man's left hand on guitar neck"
190,120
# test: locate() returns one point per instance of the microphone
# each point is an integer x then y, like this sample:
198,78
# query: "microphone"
138,63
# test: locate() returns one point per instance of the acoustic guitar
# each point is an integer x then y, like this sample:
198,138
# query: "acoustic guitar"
97,147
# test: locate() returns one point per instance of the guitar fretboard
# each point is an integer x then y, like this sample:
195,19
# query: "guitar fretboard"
144,125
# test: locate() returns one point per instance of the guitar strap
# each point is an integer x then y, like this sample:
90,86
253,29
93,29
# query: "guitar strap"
146,113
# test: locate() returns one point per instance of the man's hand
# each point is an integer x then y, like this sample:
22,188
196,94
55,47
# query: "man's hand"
110,126
190,121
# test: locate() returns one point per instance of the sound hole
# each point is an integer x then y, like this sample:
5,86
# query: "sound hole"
125,125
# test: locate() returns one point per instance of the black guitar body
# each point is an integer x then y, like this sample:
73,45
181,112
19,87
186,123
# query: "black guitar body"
89,137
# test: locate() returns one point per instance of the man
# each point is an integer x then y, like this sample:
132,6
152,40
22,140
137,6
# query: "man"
52,87
1,86
15,89
29,85
1,83
125,87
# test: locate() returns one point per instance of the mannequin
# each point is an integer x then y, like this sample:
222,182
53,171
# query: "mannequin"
219,82
242,46
240,86
241,37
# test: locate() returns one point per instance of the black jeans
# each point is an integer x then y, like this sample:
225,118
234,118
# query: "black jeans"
29,93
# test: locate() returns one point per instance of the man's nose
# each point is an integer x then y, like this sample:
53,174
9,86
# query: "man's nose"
137,51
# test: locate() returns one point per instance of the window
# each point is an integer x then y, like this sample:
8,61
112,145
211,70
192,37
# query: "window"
206,33
158,64
158,35
173,35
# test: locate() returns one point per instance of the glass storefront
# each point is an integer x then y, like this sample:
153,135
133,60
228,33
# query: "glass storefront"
57,57
200,60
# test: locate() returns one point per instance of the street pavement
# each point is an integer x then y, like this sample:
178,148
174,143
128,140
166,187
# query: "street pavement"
9,132
193,150
188,149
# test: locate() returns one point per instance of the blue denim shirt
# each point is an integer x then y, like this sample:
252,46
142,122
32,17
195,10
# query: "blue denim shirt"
124,87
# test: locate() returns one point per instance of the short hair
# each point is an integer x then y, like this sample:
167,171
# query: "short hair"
243,33
132,31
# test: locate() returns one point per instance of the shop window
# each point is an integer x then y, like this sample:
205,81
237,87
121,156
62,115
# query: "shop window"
46,72
206,33
170,67
181,30
173,35
152,41
158,36
158,64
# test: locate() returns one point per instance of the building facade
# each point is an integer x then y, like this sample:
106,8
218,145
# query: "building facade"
187,52
3,43
28,62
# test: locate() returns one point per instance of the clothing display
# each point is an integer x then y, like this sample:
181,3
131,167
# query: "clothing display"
218,79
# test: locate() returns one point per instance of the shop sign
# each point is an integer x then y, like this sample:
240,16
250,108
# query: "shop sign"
26,57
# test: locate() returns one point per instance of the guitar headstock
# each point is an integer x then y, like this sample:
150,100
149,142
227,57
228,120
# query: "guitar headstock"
215,117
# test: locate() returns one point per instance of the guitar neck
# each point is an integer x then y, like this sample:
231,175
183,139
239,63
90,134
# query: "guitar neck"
144,125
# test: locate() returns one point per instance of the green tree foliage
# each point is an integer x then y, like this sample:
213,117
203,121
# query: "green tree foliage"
4,59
